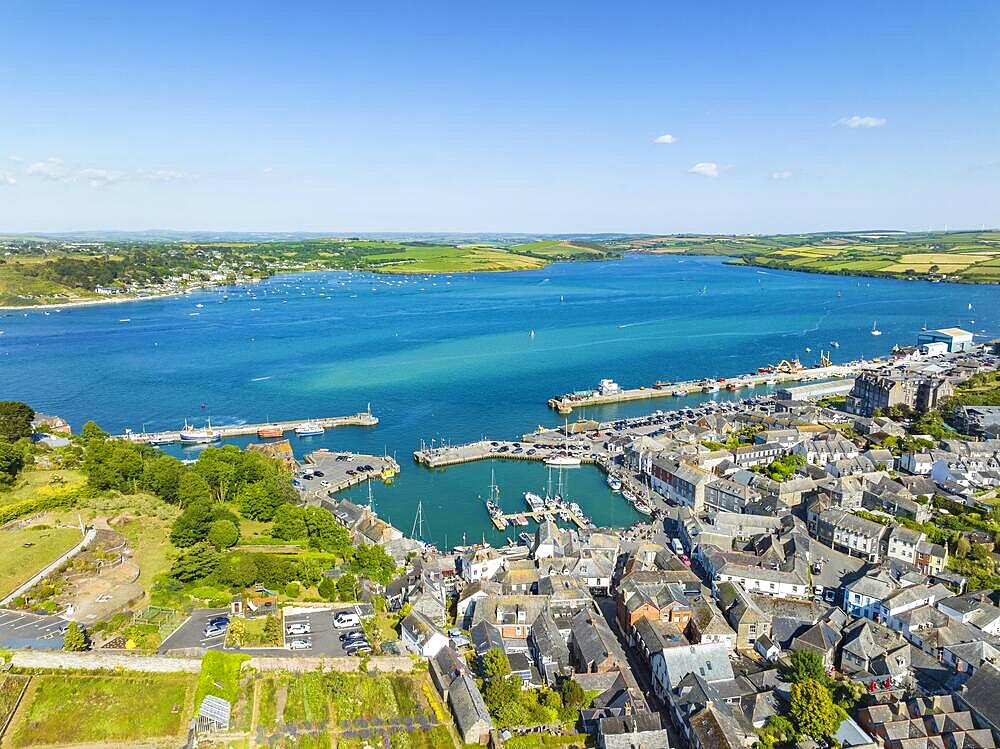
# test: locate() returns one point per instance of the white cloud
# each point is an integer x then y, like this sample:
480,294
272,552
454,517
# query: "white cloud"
784,174
666,138
162,175
7,179
705,169
858,121
49,169
98,177
268,169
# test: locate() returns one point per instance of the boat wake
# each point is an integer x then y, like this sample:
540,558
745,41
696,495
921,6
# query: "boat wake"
260,379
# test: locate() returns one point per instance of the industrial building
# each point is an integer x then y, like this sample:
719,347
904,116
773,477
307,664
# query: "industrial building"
956,338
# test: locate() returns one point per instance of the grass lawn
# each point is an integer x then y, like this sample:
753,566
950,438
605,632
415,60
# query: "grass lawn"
75,709
31,481
28,550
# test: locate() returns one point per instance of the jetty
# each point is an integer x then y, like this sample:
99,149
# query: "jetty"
565,404
360,419
538,516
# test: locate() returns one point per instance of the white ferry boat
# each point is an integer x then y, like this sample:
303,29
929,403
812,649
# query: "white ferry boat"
614,484
199,436
308,429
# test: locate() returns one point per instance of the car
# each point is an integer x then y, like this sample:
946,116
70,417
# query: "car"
308,478
354,635
318,473
351,472
298,628
325,484
218,621
213,631
494,444
358,648
349,458
346,620
300,645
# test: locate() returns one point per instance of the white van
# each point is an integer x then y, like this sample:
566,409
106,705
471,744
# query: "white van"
346,619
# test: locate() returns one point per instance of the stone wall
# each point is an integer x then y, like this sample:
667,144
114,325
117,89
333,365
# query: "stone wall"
98,661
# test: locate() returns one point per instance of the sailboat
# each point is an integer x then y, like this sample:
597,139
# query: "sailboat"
563,459
875,330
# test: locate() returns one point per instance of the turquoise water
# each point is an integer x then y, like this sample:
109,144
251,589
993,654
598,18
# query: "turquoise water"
452,358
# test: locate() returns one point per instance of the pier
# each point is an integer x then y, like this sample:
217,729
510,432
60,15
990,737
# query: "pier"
360,419
565,404
441,457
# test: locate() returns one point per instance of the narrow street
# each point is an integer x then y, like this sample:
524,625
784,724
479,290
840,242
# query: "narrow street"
641,672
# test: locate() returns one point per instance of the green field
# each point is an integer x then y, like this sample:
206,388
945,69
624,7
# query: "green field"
558,249
446,259
28,550
972,257
64,709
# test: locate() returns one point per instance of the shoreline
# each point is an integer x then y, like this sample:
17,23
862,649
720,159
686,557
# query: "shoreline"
727,259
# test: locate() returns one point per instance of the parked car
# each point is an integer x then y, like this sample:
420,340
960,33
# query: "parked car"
353,635
359,647
318,473
211,631
346,620
300,645
298,628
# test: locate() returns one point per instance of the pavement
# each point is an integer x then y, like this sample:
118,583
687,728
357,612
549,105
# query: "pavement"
324,638
19,629
333,476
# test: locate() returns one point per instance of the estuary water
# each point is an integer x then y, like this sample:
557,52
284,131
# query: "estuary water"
454,358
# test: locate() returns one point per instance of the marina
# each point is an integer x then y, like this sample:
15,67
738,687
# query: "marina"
302,427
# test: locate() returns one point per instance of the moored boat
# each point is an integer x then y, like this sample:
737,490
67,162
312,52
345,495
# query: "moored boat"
308,429
562,460
269,432
199,436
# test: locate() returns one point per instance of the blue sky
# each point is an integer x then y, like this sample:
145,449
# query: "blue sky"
534,117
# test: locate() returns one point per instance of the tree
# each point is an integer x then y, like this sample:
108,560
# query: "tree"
195,562
260,500
192,488
238,572
75,639
347,587
812,711
962,547
192,525
328,589
325,533
573,696
223,534
374,563
805,664
92,432
777,730
236,632
11,463
272,630
15,421
289,523
162,477
495,664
